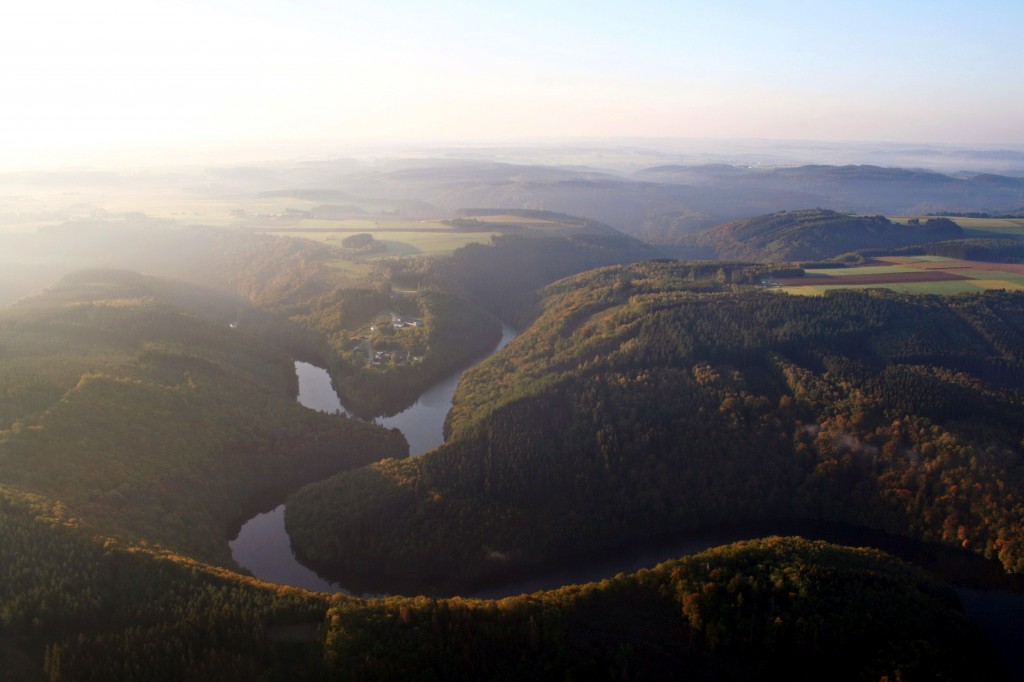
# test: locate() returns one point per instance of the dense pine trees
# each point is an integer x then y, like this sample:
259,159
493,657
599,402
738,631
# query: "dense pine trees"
137,425
646,401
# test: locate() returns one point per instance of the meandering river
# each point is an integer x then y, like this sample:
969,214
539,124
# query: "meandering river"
264,548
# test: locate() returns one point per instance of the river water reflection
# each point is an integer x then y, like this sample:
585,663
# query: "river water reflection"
264,548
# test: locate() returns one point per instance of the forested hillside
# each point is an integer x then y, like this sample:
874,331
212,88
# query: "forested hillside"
503,277
658,397
138,425
142,419
75,609
662,204
291,293
809,235
152,424
779,608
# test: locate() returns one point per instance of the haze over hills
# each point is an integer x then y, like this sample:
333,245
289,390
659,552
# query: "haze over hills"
810,235
643,397
662,396
596,373
208,208
657,195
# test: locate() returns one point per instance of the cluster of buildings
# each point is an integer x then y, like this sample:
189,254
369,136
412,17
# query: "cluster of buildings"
400,323
394,358
384,358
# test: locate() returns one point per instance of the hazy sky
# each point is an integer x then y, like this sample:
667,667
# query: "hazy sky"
79,76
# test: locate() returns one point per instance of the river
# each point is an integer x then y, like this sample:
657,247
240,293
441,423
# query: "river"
264,548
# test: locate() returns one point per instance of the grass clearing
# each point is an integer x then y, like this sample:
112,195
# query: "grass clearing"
942,288
910,260
994,275
1008,284
990,223
865,270
348,224
371,226
1000,232
399,243
806,291
951,288
977,227
986,227
912,275
514,220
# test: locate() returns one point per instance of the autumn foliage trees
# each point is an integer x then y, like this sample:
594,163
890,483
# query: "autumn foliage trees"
647,400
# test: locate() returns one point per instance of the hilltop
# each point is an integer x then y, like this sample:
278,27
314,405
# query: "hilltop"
810,235
660,203
142,418
658,397
134,403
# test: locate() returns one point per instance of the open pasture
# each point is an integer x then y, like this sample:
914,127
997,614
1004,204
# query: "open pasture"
514,220
1006,227
979,227
427,240
919,275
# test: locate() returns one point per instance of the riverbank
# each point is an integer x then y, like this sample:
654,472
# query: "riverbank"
261,544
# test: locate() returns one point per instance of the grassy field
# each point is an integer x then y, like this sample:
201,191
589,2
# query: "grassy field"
977,227
180,201
910,260
967,286
514,220
916,275
405,238
426,241
373,225
418,243
865,270
41,207
1014,225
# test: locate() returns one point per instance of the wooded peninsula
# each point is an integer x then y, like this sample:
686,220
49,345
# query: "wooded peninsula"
144,417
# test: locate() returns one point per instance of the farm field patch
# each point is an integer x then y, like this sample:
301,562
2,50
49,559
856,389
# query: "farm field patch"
930,275
401,239
978,227
417,243
869,270
514,219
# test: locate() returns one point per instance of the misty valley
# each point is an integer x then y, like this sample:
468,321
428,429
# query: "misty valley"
461,416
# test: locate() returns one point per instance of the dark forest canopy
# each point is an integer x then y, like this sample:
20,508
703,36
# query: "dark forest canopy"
141,419
977,249
809,235
503,276
660,204
648,399
309,308
152,423
75,609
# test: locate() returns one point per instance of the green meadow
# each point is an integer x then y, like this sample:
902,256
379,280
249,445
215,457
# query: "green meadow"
985,276
1007,227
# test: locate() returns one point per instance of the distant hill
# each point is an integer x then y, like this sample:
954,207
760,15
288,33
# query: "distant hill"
503,276
812,234
661,396
125,392
657,202
663,204
141,418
